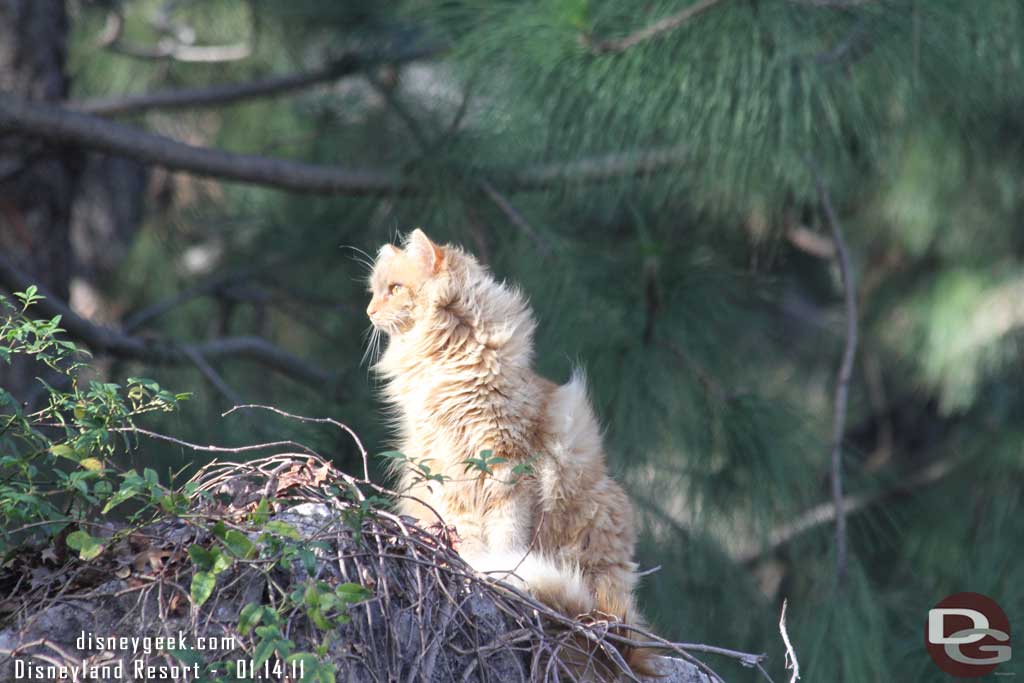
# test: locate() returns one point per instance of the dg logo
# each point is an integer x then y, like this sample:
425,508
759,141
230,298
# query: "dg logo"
968,635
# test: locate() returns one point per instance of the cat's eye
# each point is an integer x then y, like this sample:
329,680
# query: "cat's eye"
394,289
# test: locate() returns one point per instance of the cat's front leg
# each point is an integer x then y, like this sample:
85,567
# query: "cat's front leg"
503,539
508,521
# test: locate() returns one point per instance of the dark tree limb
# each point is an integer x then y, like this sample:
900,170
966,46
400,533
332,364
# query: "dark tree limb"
214,285
63,126
655,30
106,340
843,375
229,93
212,376
59,125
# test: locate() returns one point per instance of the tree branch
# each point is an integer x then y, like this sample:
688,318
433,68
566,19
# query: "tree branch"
106,340
230,93
214,285
825,513
843,376
68,127
590,170
658,28
515,217
60,125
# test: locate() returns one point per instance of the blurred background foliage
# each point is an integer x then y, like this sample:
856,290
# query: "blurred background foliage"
703,299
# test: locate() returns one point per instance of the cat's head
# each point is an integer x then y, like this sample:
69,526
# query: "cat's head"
403,281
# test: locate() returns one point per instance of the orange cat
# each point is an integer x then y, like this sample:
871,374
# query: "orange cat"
458,371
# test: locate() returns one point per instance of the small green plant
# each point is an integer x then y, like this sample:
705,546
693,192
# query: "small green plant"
56,464
485,464
487,461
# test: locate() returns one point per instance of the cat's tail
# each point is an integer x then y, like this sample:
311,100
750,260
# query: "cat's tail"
561,587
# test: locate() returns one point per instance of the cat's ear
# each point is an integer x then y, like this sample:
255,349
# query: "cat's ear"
428,253
387,251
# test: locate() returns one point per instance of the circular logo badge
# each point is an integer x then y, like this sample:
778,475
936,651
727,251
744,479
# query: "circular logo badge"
967,635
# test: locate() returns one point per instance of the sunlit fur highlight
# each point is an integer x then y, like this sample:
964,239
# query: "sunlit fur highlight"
458,375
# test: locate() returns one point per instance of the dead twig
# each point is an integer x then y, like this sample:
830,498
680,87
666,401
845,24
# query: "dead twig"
315,420
791,660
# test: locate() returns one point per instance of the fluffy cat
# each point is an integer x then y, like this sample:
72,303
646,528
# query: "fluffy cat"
458,374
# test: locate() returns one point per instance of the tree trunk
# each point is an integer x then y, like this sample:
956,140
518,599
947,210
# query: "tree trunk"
37,181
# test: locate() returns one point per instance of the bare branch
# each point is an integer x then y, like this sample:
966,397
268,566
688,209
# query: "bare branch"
106,340
843,376
315,420
825,513
791,660
229,93
212,376
214,285
515,217
60,125
67,127
658,28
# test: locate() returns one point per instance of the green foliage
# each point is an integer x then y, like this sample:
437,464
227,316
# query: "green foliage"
56,464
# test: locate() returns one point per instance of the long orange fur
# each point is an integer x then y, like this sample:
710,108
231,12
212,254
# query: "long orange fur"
458,371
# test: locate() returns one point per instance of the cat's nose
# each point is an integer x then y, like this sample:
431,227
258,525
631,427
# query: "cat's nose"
371,310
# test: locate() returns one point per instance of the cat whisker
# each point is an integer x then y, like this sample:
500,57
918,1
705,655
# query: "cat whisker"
360,256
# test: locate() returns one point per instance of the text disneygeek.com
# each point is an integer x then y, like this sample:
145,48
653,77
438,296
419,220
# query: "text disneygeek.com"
142,658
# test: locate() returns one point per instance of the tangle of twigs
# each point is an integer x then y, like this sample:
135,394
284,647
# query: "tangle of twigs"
430,617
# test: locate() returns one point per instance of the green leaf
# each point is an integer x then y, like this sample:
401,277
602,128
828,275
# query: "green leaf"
203,584
352,592
87,546
308,558
239,544
311,598
187,656
91,464
283,529
250,616
127,491
62,450
264,650
202,557
262,512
